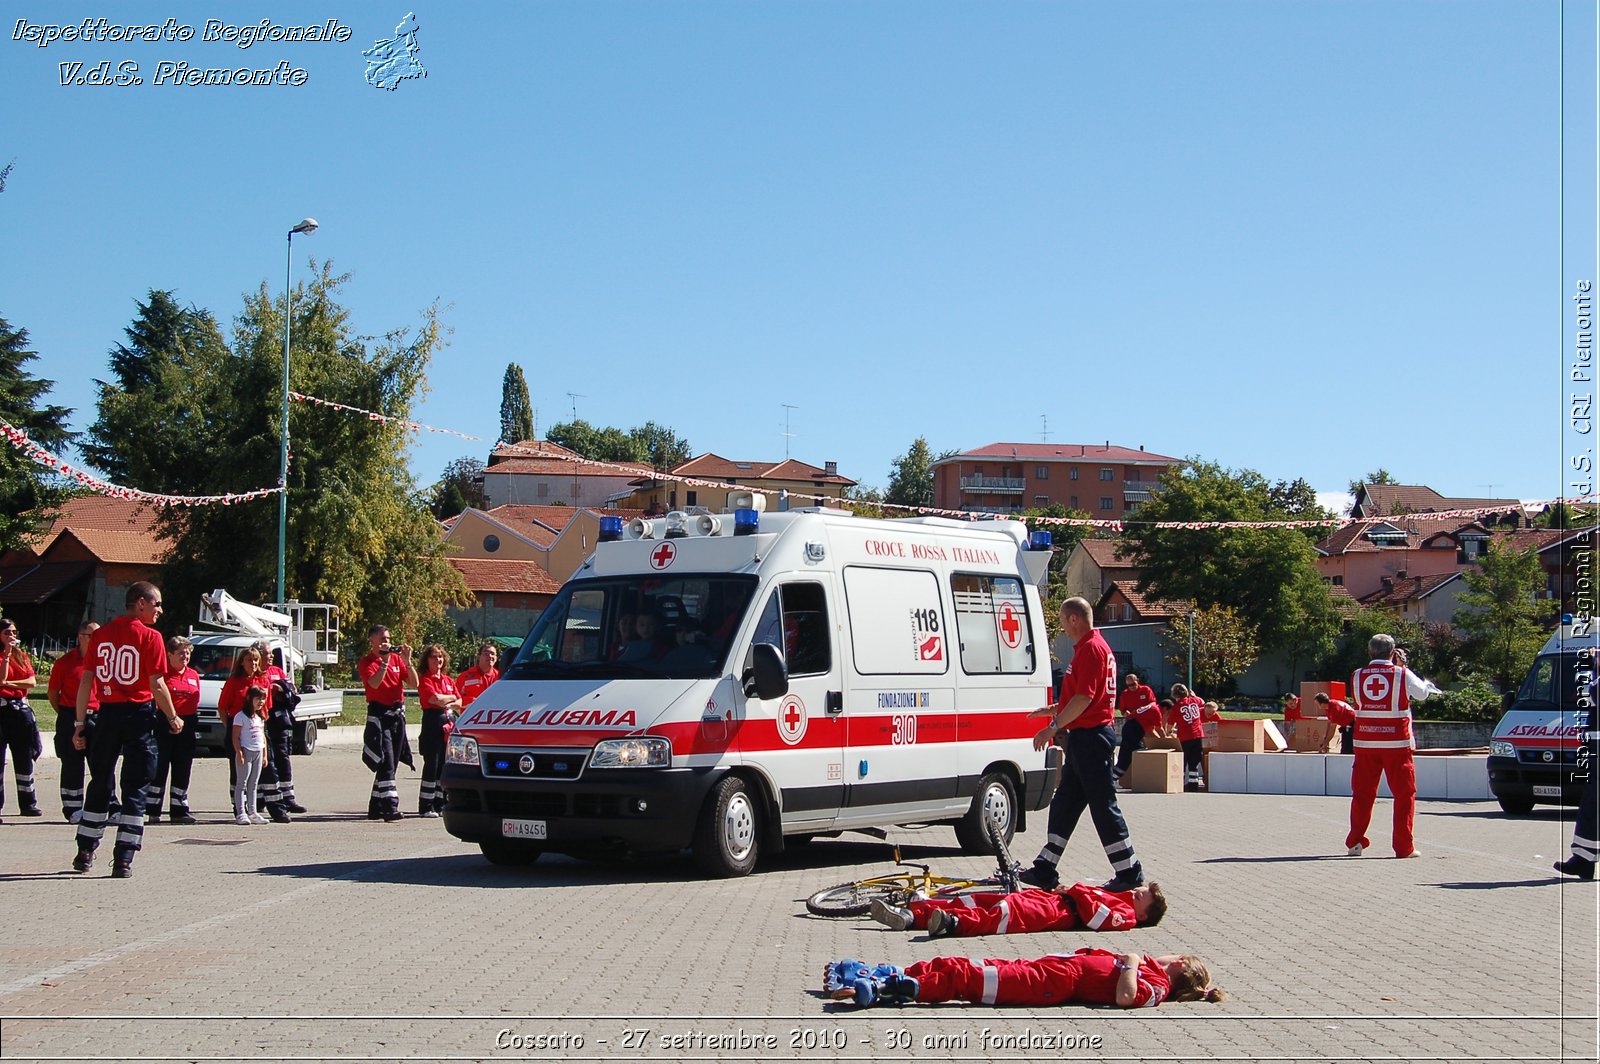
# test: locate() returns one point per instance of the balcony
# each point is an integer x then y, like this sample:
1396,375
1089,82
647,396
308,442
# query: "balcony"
994,485
1138,490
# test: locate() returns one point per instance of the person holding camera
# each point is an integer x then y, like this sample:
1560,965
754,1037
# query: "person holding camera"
1382,691
386,671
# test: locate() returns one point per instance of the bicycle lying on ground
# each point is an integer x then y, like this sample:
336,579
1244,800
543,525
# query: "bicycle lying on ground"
898,888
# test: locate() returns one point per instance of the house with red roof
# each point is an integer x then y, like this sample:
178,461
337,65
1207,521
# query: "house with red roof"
79,567
541,473
1094,565
790,482
1360,557
1390,500
1104,481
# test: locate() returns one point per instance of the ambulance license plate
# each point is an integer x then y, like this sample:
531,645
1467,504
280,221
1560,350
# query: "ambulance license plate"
522,829
1546,792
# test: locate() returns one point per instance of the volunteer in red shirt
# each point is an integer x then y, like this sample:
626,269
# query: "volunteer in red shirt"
1022,912
63,695
19,732
440,700
1141,717
385,672
175,752
1087,977
477,679
1188,719
1383,690
127,672
1084,715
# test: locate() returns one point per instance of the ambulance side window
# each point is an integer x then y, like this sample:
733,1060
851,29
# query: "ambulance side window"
992,624
795,620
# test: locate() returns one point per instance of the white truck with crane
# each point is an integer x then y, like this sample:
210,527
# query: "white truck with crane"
301,636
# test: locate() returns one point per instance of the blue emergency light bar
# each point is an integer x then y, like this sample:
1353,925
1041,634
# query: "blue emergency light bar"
1039,540
746,522
610,529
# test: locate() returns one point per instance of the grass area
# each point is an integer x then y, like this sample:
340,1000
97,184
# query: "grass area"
354,712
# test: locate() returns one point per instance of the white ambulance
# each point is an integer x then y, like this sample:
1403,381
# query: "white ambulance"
727,682
1534,751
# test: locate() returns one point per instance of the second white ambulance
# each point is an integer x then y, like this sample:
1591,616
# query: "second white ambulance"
727,682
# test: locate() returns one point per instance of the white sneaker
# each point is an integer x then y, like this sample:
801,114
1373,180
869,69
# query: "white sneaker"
1354,851
77,815
242,819
257,818
890,916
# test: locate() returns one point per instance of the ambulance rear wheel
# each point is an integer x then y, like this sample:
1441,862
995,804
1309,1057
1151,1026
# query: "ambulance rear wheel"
509,854
727,840
994,804
1516,806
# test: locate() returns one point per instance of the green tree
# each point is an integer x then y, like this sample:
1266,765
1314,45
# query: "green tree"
359,536
28,491
911,476
516,409
1224,646
1361,626
661,447
1268,575
459,487
1498,615
606,444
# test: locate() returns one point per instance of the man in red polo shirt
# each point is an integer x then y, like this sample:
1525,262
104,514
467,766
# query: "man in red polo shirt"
63,692
1141,716
127,672
474,681
385,672
1084,716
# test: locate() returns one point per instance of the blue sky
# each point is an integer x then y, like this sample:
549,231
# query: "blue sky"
1306,238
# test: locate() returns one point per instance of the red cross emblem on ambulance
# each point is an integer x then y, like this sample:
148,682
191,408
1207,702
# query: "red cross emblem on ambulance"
663,555
1010,626
1375,687
791,720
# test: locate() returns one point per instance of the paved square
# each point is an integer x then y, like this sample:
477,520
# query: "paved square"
339,937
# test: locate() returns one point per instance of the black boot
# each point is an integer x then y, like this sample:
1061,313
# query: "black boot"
1576,866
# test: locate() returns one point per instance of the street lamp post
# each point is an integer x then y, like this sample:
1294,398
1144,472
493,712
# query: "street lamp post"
308,225
1191,646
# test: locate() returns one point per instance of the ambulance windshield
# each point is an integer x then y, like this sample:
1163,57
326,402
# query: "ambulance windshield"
636,627
1557,680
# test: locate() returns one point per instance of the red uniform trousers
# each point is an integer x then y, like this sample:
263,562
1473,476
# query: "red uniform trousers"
1001,914
1046,981
1370,766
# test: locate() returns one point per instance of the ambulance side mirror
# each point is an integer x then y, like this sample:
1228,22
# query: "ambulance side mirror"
766,677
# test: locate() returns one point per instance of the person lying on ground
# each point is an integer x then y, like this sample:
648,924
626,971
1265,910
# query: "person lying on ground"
1061,908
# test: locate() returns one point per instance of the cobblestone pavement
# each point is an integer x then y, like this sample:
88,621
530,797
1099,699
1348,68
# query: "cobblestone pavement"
337,937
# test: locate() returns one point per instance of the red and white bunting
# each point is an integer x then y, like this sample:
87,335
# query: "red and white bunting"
373,415
20,440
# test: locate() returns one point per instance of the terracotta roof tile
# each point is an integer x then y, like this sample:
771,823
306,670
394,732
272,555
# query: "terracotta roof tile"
1106,553
1419,529
1419,498
121,546
97,511
711,466
1062,452
494,575
1407,590
1145,606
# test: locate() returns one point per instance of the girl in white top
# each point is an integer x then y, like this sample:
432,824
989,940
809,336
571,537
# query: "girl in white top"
250,741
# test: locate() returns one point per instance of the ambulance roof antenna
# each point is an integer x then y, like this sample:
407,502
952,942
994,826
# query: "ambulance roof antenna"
787,435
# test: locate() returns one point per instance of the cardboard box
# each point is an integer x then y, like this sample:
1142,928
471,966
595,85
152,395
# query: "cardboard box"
1170,742
1309,692
1314,737
1156,772
1276,743
1237,736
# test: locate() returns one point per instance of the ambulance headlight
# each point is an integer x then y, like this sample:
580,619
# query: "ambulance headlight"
463,750
646,752
1501,748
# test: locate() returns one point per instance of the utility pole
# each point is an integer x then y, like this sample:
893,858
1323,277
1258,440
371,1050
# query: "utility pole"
1191,652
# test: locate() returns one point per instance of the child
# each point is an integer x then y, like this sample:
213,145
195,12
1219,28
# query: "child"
1063,908
1188,713
1087,977
250,740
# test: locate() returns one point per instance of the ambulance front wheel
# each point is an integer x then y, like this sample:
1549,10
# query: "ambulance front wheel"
727,839
996,803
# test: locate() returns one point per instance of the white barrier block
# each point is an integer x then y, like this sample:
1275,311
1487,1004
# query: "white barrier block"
1227,773
1431,775
1467,778
1263,773
1304,774
1337,767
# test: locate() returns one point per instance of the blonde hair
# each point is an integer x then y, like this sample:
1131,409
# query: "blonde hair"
1193,982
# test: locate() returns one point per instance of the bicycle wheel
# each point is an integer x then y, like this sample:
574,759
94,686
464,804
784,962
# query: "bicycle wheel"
854,899
1009,870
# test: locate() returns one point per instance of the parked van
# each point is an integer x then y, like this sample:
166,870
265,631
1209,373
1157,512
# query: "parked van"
1533,753
729,682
